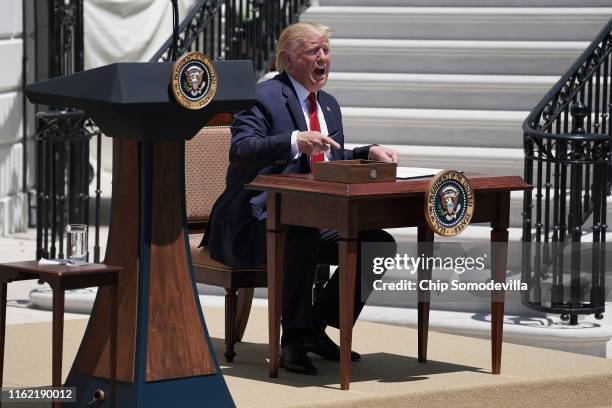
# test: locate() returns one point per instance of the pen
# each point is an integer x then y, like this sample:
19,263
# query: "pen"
333,143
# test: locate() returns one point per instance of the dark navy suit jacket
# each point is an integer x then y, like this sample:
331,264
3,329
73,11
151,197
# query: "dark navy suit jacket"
261,144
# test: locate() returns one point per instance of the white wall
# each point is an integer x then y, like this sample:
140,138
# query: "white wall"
13,204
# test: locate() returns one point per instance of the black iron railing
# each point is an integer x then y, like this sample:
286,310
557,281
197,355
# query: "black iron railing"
567,140
235,29
222,29
63,175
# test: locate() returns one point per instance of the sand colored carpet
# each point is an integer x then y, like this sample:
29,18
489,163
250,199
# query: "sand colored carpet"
457,374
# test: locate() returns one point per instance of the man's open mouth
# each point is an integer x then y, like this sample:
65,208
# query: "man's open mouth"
319,71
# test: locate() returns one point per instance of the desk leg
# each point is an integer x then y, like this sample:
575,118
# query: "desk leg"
2,329
275,260
425,246
114,309
348,263
499,255
58,337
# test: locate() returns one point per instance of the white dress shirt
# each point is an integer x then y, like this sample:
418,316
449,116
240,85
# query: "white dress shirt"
302,94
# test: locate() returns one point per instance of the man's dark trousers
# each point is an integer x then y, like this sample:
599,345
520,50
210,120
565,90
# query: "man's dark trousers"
305,248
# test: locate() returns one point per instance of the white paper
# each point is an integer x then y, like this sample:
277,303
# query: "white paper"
406,173
44,261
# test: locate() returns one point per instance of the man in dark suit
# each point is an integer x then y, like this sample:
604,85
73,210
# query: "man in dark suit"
293,124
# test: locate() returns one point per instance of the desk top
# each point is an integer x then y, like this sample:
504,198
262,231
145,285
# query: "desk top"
24,270
305,184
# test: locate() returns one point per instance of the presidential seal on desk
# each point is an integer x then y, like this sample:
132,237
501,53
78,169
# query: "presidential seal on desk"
449,203
194,81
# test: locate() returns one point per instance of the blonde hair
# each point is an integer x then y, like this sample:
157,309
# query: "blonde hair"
294,36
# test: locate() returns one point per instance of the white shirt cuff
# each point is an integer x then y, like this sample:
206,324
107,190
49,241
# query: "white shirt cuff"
295,153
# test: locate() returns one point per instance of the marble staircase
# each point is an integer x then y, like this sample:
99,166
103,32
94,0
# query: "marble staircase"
448,84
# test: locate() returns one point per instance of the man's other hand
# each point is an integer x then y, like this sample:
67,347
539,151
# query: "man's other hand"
312,143
383,154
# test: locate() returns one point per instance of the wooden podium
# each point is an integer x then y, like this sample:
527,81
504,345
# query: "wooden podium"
297,199
165,356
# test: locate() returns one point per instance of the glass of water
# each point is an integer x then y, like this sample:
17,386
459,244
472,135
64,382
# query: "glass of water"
76,235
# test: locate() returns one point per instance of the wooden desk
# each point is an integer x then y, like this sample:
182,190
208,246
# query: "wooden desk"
61,278
297,199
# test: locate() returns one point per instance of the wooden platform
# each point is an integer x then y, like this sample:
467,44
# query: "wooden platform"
388,375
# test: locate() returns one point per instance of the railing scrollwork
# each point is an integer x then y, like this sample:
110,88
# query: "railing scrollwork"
567,145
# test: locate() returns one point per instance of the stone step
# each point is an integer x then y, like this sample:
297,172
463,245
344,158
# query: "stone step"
455,57
589,337
441,91
467,3
462,23
434,127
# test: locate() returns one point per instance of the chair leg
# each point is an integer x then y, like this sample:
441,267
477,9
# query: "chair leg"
245,300
230,324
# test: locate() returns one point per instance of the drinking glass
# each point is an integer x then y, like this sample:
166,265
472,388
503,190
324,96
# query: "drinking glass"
76,235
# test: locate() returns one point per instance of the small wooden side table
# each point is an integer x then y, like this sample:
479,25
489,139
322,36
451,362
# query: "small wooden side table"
61,278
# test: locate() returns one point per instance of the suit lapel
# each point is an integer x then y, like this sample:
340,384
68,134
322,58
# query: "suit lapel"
293,105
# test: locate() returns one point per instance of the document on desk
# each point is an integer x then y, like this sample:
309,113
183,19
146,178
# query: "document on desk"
408,173
43,261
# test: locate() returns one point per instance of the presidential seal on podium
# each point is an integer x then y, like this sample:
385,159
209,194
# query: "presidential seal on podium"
194,81
449,203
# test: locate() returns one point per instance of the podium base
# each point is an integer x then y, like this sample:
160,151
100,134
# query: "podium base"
209,390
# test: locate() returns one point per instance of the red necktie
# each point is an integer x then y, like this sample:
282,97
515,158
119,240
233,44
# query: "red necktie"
313,118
